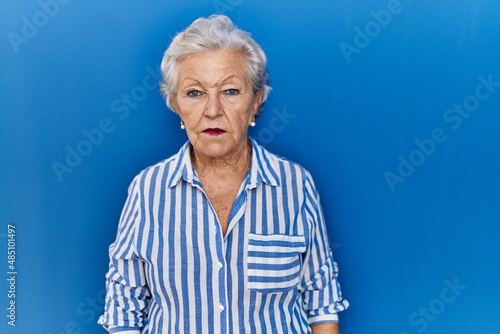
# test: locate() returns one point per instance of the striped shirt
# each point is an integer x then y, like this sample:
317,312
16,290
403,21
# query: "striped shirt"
173,271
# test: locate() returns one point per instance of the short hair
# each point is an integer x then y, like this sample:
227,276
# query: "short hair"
211,34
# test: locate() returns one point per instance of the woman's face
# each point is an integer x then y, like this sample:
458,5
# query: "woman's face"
216,102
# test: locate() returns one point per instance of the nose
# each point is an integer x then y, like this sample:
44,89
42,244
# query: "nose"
213,107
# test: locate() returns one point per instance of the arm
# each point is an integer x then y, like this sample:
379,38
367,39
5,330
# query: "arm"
319,278
327,328
127,297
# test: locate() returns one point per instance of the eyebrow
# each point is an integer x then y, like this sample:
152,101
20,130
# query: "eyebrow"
232,77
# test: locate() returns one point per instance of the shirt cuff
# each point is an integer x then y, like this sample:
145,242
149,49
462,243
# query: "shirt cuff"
324,318
125,330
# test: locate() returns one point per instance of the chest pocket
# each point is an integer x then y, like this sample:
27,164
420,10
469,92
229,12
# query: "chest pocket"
274,262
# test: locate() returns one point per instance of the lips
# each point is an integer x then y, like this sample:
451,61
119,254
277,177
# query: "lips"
214,131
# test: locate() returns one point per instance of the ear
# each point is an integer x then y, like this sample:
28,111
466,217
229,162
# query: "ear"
257,101
173,104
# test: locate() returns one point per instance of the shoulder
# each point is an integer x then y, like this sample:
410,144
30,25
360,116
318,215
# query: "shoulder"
162,171
285,169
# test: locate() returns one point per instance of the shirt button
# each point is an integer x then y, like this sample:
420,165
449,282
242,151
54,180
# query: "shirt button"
219,265
221,307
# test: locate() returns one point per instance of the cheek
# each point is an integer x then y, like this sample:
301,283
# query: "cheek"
189,112
238,119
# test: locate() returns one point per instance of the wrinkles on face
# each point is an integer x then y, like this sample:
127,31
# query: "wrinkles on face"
216,102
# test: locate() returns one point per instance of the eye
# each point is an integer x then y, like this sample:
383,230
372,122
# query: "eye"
232,92
193,93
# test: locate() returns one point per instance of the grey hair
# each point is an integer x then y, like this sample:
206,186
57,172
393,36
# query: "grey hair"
210,34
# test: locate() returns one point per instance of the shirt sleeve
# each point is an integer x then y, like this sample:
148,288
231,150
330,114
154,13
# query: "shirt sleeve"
319,284
124,330
127,298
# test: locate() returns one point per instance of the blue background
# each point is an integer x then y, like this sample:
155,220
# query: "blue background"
350,117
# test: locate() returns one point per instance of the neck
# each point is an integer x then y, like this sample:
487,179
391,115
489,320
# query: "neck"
237,162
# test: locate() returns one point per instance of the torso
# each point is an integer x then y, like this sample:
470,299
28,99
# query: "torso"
221,182
221,193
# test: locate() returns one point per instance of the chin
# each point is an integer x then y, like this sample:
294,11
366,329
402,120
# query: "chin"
215,150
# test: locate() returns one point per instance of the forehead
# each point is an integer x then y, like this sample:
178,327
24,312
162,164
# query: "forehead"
212,67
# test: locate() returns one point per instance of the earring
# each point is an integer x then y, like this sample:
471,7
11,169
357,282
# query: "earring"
182,125
252,124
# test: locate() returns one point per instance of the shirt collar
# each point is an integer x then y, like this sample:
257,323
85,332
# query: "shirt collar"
263,167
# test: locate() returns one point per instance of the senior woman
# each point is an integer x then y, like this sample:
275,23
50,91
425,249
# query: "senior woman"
224,236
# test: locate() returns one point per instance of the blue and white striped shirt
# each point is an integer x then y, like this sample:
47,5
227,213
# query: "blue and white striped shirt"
172,271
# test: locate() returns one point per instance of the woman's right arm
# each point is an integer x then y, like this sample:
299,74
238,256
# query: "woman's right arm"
128,295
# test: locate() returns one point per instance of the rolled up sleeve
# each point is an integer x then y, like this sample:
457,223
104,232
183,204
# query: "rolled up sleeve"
127,298
320,288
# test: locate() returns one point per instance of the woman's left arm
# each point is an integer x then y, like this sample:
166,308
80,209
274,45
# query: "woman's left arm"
328,328
319,284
